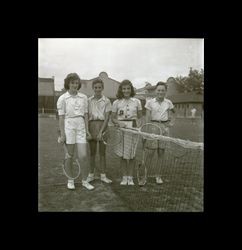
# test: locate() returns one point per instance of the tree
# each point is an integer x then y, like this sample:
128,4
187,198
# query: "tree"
181,84
194,82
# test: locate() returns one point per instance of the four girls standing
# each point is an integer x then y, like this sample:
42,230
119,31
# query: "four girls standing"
81,118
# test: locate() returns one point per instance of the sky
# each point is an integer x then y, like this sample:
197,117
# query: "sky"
139,60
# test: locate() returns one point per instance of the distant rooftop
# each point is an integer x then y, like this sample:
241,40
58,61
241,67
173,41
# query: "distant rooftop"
42,79
186,97
46,86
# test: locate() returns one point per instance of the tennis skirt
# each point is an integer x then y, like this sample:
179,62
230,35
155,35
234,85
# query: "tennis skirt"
127,148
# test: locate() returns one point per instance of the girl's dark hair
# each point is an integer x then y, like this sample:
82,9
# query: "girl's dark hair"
72,76
98,80
119,94
161,84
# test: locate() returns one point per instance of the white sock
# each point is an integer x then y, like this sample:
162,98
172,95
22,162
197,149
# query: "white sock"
91,175
103,175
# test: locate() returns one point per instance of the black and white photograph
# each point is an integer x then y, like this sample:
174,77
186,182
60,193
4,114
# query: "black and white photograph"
121,124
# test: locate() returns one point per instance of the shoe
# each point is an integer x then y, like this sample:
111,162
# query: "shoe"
105,179
90,178
87,185
124,181
70,184
158,180
130,181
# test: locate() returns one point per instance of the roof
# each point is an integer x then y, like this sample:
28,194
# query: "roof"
91,80
143,96
149,87
186,98
46,79
46,87
102,75
179,98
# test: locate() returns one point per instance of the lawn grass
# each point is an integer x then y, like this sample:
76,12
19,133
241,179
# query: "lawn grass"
182,189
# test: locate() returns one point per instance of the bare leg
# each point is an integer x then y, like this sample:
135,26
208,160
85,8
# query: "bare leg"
103,164
130,167
92,164
69,162
161,153
149,158
82,153
123,164
93,146
102,154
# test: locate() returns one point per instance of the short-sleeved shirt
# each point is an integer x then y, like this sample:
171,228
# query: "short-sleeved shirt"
98,108
127,109
72,105
159,110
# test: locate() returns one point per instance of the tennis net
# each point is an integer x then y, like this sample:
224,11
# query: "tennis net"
178,162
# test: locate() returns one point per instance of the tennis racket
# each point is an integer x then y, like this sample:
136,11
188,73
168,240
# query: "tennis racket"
148,133
112,136
73,172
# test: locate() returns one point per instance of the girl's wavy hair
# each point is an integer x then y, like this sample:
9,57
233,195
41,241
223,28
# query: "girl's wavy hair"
72,76
120,94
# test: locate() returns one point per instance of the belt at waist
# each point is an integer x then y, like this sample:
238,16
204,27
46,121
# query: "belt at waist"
78,116
134,124
127,120
160,121
96,120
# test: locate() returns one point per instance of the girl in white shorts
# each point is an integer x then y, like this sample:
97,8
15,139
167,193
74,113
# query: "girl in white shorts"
73,121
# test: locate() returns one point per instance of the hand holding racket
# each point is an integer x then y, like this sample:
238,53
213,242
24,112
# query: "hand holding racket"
71,169
148,132
88,136
61,138
112,136
99,136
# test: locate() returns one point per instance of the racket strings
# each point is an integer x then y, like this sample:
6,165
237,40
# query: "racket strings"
178,155
112,136
180,165
71,168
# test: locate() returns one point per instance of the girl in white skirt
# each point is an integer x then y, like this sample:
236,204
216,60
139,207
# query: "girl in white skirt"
73,121
126,111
